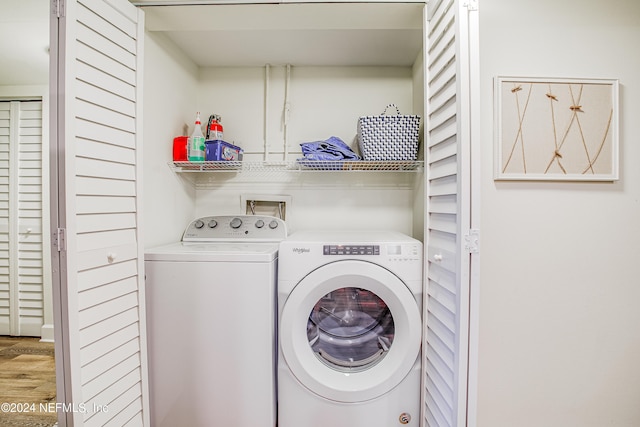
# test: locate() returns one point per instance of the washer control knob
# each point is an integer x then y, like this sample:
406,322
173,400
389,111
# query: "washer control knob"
404,418
259,223
198,224
236,223
273,224
213,223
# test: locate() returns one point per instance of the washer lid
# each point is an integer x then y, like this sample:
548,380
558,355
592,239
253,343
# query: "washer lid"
381,356
213,252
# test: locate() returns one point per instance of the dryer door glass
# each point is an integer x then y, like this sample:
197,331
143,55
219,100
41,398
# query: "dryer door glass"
350,329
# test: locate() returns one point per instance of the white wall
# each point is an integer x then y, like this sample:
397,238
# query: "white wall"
324,102
560,269
419,102
24,42
170,92
325,202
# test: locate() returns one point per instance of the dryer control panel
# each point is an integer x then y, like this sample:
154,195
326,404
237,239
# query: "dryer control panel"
247,228
392,251
351,249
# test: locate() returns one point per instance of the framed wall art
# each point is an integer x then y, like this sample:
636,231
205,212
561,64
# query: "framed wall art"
556,129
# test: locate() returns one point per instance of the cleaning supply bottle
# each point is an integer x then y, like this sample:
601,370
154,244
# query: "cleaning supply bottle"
196,143
214,128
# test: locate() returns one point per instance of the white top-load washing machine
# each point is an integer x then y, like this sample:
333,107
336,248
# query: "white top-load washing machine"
350,329
211,316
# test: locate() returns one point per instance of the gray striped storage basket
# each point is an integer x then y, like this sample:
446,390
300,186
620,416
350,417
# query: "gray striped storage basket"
389,137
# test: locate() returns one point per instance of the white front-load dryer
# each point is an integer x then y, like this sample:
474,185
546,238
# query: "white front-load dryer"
350,329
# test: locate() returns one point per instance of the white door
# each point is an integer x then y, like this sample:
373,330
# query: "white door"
451,241
350,317
96,49
21,226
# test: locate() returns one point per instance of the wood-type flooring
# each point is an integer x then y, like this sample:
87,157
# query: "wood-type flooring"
27,383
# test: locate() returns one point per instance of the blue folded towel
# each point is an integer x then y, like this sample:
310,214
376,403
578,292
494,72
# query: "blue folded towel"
330,149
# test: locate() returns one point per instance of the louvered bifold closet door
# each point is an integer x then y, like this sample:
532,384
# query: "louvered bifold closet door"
448,209
5,278
101,51
21,251
29,216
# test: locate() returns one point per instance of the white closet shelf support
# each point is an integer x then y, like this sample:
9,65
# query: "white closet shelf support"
395,173
300,166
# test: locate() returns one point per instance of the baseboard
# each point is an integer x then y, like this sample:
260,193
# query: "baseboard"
46,333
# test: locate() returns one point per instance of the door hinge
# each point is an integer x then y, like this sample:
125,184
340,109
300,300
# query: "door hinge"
59,239
57,8
471,5
472,241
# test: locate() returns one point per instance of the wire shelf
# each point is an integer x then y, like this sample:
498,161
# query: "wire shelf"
299,166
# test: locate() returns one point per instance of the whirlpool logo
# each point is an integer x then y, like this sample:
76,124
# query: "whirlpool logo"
301,251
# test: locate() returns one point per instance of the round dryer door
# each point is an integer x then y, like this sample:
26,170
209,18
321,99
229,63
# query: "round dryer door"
350,331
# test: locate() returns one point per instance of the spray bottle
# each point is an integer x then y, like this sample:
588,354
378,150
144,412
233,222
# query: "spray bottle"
196,143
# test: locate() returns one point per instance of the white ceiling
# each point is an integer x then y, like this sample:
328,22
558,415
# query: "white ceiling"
352,34
236,35
24,42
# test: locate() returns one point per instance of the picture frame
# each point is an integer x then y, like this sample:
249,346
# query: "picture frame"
556,129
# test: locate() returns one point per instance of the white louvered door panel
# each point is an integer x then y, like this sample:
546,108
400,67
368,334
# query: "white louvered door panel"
101,72
21,251
5,283
446,348
29,215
